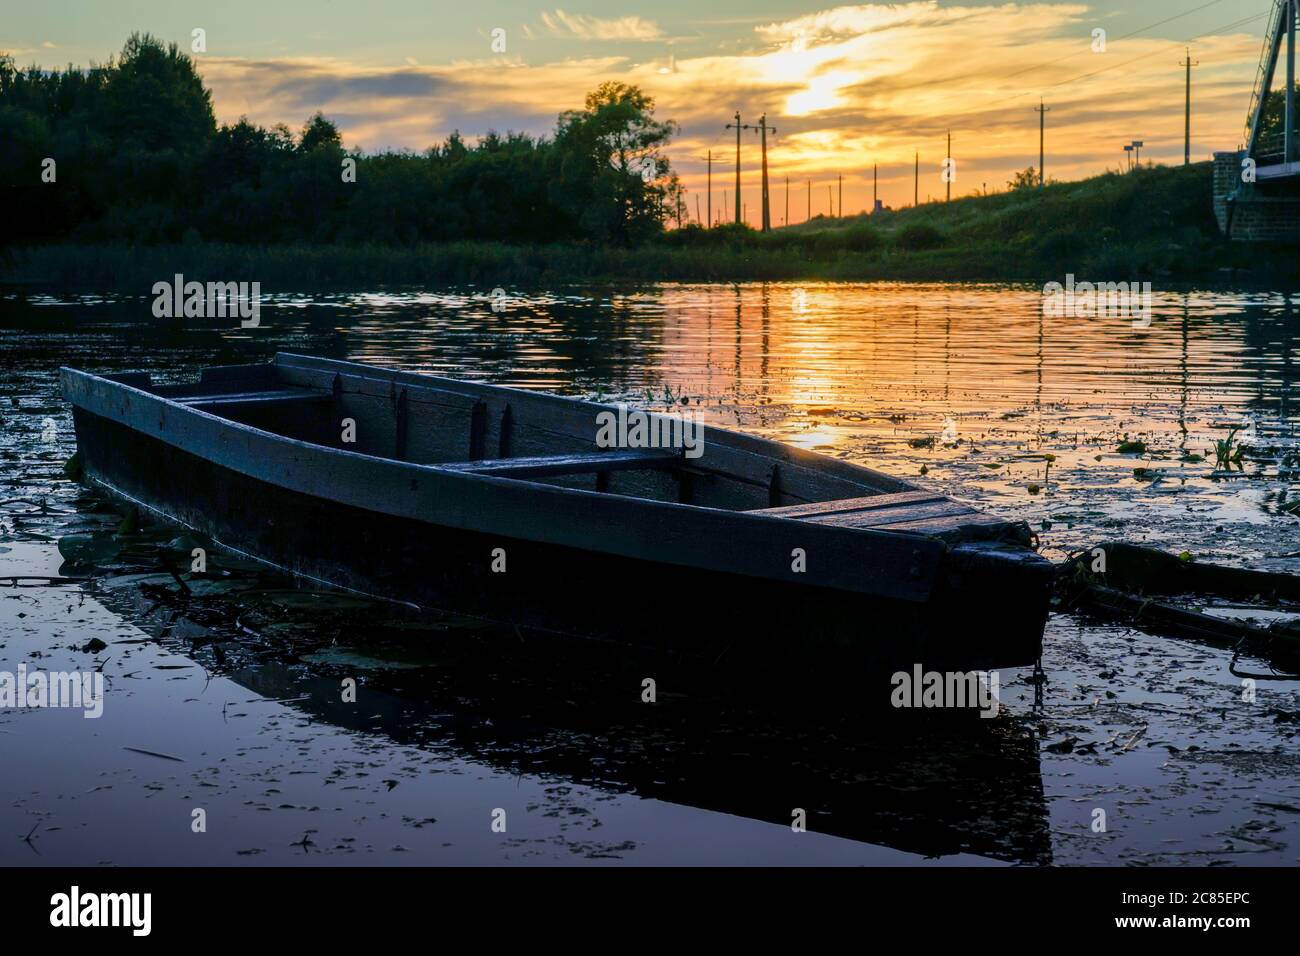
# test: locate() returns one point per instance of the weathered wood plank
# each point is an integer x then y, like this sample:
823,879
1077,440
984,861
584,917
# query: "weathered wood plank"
840,505
372,381
544,465
279,397
401,415
955,527
504,429
898,514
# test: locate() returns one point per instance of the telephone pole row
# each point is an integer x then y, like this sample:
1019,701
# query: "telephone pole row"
762,129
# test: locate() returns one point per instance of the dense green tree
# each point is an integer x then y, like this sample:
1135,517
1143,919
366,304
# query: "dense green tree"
156,100
613,176
320,133
140,158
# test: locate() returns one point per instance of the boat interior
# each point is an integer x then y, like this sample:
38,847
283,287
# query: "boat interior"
531,436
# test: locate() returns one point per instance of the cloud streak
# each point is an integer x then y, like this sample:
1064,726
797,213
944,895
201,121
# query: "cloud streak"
581,27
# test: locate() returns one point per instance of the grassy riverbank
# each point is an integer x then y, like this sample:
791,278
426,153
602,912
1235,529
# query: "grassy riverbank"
1151,225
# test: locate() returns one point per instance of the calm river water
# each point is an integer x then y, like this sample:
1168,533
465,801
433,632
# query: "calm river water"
225,701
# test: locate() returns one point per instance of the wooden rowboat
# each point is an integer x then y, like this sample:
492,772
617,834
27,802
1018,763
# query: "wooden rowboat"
499,502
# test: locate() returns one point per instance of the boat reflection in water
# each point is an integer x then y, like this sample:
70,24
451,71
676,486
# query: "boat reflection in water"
901,779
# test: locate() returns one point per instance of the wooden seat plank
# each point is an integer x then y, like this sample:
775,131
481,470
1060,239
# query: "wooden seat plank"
954,527
843,505
246,398
898,514
550,465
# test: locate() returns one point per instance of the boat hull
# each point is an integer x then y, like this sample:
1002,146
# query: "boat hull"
985,609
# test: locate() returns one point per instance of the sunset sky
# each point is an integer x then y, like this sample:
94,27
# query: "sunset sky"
844,86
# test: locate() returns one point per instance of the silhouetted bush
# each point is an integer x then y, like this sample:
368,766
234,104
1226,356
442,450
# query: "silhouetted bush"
918,236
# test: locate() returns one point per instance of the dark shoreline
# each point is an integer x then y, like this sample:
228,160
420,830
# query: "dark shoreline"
127,269
1152,225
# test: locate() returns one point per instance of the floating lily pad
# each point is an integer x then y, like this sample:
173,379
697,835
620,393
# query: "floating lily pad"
343,657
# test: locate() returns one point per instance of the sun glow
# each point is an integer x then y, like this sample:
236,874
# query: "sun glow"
823,93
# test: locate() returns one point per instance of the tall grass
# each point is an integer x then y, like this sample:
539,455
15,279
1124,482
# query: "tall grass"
1151,224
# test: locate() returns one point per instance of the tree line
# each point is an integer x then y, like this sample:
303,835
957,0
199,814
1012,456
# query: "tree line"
131,152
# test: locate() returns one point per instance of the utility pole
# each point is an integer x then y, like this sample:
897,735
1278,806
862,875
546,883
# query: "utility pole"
1042,112
841,178
710,204
948,170
764,129
698,220
767,207
874,197
736,125
916,180
1187,108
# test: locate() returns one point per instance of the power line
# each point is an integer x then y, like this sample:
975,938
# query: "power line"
1126,36
1038,66
1116,66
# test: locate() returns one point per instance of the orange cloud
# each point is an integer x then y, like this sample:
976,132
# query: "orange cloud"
845,87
